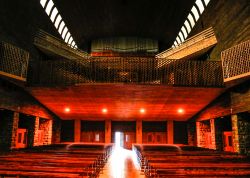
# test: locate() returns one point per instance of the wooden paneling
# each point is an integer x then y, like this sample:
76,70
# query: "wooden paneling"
124,102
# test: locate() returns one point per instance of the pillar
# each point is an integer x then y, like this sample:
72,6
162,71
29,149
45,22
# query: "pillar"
107,131
198,132
77,132
36,128
138,131
170,131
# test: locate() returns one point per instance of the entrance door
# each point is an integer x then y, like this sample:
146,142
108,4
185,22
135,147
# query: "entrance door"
228,141
21,141
129,139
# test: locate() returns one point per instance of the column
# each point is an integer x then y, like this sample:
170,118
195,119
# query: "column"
213,134
14,128
107,131
77,132
138,131
198,132
170,131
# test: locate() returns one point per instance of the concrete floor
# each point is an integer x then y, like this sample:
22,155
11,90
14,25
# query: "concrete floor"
122,164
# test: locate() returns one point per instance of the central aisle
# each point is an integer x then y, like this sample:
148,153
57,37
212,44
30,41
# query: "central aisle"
121,164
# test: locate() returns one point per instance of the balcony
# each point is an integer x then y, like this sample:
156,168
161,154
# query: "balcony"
194,46
236,63
53,46
13,62
133,70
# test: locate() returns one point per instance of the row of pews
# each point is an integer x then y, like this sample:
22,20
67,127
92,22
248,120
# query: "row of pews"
54,161
186,161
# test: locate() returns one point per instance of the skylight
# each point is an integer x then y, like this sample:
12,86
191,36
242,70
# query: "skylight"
187,26
43,2
53,15
49,7
56,19
206,2
200,6
184,32
195,12
192,18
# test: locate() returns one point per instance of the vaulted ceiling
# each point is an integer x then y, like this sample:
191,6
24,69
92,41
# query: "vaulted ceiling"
92,19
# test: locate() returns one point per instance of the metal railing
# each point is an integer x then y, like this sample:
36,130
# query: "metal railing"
236,61
13,61
134,70
55,45
206,34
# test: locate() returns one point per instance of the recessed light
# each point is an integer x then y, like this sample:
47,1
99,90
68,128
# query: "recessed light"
180,111
67,109
142,110
104,110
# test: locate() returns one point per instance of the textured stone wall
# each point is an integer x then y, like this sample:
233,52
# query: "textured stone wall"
202,128
46,126
241,133
230,20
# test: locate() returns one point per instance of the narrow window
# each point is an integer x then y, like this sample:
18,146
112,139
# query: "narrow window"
184,32
67,37
58,20
61,27
195,12
64,32
43,2
175,43
53,15
97,137
191,20
181,37
178,40
187,26
73,44
49,7
206,2
200,6
70,40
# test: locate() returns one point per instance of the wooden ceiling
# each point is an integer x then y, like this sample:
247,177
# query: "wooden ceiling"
93,19
123,101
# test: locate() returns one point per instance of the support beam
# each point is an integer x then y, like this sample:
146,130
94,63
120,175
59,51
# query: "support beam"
170,131
77,133
138,131
107,131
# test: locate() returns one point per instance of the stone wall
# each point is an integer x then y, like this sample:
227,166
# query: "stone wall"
46,126
202,129
241,133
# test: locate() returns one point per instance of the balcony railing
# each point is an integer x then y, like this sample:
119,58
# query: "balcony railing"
52,45
236,62
13,62
192,46
127,70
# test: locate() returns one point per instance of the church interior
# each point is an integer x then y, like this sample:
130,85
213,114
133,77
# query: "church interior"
124,89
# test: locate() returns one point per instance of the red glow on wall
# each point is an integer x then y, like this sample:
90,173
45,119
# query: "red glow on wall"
67,110
142,110
180,111
104,110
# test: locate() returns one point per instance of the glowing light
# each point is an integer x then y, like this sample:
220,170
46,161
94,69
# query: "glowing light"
142,110
180,111
67,109
104,110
